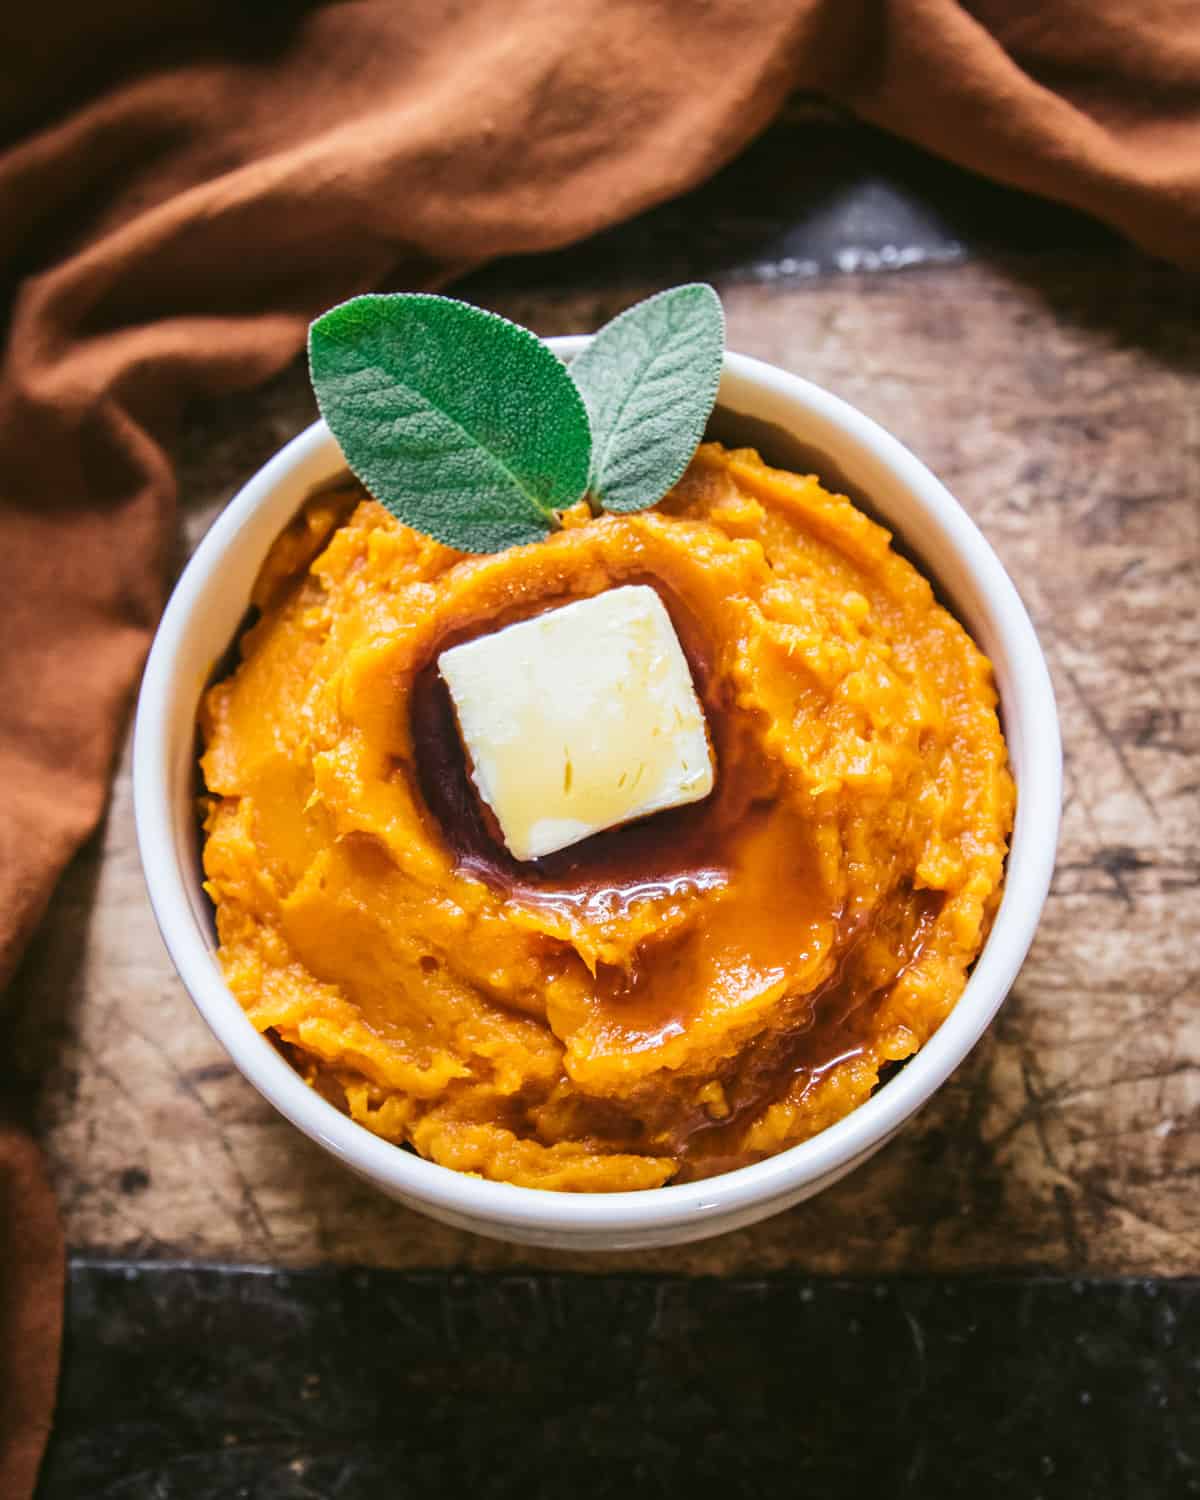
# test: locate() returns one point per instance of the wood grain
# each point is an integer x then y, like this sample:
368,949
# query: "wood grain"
1059,398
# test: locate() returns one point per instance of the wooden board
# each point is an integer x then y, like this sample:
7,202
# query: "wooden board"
1059,397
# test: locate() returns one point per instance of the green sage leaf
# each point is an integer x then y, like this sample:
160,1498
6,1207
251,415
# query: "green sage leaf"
464,425
650,379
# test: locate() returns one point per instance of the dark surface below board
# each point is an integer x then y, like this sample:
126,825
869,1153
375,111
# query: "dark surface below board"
205,1383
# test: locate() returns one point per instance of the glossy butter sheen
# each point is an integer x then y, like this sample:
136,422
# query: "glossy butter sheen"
580,719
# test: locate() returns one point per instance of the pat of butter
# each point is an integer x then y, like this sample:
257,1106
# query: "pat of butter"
580,719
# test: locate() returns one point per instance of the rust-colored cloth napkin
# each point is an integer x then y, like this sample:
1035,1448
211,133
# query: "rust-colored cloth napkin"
182,186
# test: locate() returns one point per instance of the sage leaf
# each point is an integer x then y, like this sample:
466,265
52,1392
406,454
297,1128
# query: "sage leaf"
650,379
464,425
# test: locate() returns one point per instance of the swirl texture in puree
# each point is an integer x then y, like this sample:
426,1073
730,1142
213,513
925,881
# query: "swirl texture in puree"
660,1002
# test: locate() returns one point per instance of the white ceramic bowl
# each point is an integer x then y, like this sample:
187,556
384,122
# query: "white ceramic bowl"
200,621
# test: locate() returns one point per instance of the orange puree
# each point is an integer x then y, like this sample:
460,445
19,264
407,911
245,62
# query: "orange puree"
659,1002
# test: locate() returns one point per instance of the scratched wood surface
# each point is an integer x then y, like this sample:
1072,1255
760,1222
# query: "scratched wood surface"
1059,396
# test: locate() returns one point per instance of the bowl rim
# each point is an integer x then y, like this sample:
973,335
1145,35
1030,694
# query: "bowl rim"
782,1176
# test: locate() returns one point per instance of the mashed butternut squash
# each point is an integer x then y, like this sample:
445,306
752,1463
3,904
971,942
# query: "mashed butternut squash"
660,1002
